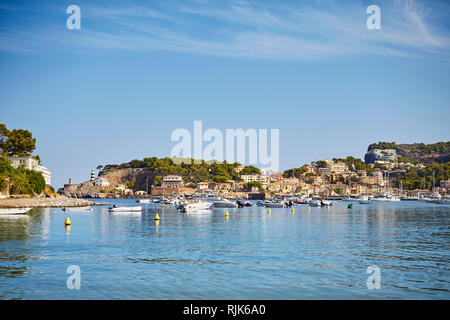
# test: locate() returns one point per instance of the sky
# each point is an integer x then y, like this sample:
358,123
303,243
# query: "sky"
116,89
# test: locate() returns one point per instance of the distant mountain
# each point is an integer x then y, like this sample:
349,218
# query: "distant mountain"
427,153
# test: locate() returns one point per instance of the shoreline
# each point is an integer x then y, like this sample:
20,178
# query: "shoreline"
57,202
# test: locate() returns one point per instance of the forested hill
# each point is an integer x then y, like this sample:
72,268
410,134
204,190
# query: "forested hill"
427,153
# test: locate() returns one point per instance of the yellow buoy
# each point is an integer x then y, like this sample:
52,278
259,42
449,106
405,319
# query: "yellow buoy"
268,211
226,214
156,222
292,210
309,208
157,217
54,212
67,222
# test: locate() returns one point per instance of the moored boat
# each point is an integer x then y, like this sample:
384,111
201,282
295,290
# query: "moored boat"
7,211
115,208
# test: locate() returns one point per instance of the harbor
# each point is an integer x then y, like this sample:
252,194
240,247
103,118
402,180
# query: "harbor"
244,253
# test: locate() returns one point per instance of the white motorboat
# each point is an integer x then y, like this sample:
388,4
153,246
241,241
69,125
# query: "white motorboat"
192,206
87,208
115,208
7,211
219,202
143,201
273,204
386,198
364,200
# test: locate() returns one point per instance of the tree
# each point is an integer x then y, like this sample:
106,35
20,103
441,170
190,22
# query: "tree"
19,142
247,170
4,133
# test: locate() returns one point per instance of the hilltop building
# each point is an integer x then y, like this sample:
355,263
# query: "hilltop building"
31,164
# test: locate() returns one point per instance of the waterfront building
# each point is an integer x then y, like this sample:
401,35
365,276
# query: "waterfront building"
31,164
202,186
172,182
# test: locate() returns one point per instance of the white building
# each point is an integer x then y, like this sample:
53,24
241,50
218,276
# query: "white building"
101,182
384,154
31,164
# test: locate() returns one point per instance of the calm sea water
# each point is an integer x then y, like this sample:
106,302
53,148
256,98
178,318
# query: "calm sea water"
317,254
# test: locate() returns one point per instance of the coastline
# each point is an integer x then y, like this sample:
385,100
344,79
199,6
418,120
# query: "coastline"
57,202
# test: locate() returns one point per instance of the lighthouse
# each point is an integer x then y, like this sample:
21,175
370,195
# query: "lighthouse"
92,175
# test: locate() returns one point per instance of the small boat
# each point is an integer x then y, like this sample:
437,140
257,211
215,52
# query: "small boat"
77,208
143,201
348,200
6,211
242,204
115,208
192,206
273,204
364,200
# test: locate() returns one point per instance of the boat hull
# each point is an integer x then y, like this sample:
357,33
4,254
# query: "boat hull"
10,211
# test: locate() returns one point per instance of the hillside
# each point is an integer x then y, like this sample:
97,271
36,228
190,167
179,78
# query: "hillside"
427,153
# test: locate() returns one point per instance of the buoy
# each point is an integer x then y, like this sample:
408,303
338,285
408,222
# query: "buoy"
67,222
292,210
350,206
157,217
54,212
309,208
268,211
226,214
328,207
156,222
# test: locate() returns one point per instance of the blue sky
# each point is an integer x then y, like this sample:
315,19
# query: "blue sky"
116,89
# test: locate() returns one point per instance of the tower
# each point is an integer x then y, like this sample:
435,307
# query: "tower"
92,175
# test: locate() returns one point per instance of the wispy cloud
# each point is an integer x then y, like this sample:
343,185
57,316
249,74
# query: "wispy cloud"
264,30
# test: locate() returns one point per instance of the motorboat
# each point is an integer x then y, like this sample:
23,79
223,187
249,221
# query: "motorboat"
115,208
242,204
143,201
386,198
222,203
349,199
8,211
273,204
86,208
192,206
364,200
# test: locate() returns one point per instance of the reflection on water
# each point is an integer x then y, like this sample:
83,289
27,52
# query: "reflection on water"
317,254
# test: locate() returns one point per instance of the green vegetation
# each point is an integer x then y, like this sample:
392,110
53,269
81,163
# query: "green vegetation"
294,172
250,170
355,164
191,172
415,178
21,180
250,185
